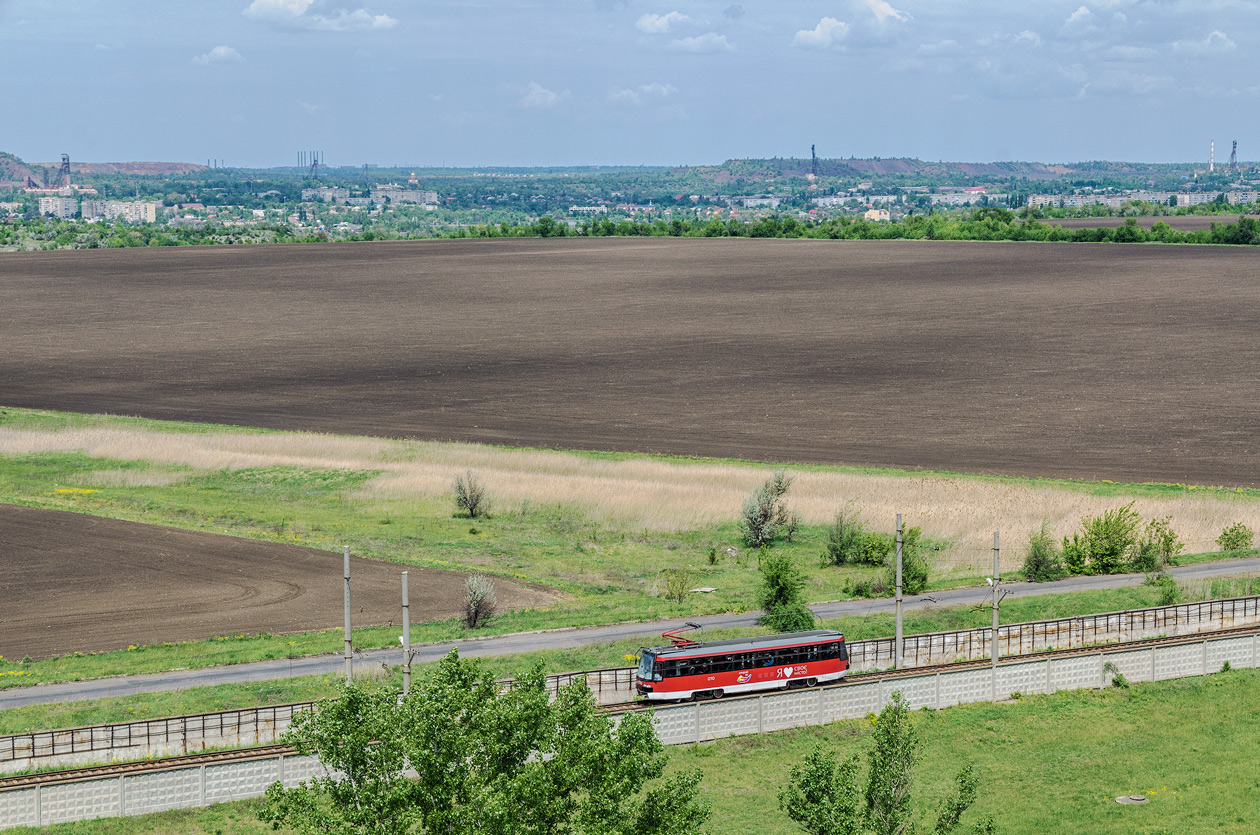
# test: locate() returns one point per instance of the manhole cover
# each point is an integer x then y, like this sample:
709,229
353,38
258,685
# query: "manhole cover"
1132,799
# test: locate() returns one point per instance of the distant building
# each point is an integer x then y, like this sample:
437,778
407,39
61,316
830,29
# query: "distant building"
877,215
756,202
60,207
588,210
397,194
326,194
129,211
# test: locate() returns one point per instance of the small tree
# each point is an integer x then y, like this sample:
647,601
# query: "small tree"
470,494
1237,537
677,583
1105,543
844,540
824,799
1042,562
480,603
781,605
1158,547
765,511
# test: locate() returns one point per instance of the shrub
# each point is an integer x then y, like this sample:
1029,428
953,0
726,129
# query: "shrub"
794,618
781,586
1159,546
1042,562
1237,537
845,539
765,511
914,565
1169,591
480,603
1105,543
677,583
470,494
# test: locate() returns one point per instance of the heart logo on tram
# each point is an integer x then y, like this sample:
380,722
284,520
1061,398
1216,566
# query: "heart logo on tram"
787,672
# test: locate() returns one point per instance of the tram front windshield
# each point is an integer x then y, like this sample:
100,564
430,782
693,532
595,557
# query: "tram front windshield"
647,664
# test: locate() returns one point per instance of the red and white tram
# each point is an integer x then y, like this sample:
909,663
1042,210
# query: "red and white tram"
690,669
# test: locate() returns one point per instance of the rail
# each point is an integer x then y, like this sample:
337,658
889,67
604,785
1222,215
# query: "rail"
198,780
258,726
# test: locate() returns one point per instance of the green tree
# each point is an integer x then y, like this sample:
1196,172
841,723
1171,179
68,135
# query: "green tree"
1237,537
485,763
1105,542
824,797
765,511
844,539
782,583
1042,562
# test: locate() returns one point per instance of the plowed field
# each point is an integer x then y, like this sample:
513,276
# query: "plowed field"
1092,361
80,583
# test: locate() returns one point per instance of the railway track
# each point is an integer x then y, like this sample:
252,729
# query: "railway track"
265,751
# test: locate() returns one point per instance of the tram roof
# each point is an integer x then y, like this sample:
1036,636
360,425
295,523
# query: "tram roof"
747,644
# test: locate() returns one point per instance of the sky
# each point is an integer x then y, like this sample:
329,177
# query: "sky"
469,83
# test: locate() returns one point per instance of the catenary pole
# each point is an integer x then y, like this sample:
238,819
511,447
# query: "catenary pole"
406,636
349,646
900,643
996,575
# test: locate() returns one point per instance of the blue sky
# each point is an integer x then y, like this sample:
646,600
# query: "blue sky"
627,81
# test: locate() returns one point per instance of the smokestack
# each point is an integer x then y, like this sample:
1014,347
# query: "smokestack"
1212,158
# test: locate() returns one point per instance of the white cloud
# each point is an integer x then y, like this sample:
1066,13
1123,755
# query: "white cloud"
1080,19
1029,37
829,32
643,93
1214,44
534,96
708,42
946,47
310,108
219,55
659,24
883,11
300,14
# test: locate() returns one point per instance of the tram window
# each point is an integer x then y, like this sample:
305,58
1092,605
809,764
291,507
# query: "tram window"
722,664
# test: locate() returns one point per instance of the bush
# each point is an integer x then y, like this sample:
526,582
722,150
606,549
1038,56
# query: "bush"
470,494
914,565
765,511
1042,562
1237,537
480,603
1159,546
1105,544
781,604
677,583
794,618
1169,591
845,540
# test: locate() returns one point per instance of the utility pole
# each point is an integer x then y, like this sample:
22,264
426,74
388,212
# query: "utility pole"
900,645
996,571
349,646
406,637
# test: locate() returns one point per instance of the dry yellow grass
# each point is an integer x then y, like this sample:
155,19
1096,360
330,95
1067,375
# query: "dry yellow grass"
645,493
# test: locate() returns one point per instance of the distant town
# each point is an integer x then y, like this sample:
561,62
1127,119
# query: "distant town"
95,203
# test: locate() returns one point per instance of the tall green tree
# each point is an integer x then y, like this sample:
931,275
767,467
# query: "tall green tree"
486,763
824,797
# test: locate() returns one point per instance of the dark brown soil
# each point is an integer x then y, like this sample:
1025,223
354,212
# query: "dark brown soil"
76,583
1090,361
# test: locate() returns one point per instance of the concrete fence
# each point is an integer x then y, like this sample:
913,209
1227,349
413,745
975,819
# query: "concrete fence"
262,726
677,724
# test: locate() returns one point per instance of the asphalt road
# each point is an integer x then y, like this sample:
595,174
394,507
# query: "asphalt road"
558,639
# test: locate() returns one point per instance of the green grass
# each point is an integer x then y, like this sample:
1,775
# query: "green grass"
608,575
597,656
1045,763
